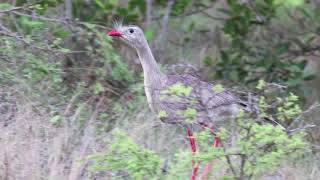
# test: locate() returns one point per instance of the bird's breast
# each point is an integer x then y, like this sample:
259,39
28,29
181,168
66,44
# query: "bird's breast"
149,96
152,90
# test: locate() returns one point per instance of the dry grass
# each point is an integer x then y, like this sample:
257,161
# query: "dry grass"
35,149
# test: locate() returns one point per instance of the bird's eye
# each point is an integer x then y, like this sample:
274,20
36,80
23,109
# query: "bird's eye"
131,31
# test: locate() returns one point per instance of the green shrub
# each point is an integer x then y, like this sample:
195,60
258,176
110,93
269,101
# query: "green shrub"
123,155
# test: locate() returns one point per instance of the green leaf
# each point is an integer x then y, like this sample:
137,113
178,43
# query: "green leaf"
99,3
261,84
180,89
208,61
61,33
56,120
290,3
179,6
98,88
218,88
162,114
190,113
89,25
113,2
306,12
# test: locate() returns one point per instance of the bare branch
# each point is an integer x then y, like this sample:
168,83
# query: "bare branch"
301,128
11,10
149,13
311,108
68,9
234,172
213,17
63,21
164,31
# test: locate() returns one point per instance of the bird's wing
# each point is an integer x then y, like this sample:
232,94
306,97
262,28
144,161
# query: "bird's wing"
213,99
203,92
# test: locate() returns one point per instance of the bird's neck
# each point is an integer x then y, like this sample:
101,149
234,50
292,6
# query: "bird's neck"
152,74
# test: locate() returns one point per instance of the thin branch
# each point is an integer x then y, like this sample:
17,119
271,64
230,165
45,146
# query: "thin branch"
311,108
301,128
68,9
229,161
164,28
213,17
149,13
11,9
243,161
63,21
6,32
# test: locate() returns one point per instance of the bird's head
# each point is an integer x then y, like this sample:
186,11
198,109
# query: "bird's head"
132,35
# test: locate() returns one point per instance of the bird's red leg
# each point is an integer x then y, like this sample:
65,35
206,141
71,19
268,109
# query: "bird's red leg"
216,141
206,170
193,149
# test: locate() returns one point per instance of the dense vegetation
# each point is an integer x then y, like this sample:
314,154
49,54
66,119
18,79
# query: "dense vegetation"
72,104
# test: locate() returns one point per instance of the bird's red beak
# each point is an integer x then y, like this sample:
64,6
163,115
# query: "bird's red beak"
114,32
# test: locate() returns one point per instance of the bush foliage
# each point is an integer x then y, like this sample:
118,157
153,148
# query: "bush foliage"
249,146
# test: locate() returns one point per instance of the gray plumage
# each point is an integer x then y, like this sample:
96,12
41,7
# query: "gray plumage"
210,106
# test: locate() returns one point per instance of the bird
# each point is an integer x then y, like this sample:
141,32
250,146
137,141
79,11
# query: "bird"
179,99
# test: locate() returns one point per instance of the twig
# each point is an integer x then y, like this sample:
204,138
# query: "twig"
11,9
302,128
63,21
68,9
311,108
164,28
149,13
6,32
242,166
279,86
229,161
213,17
